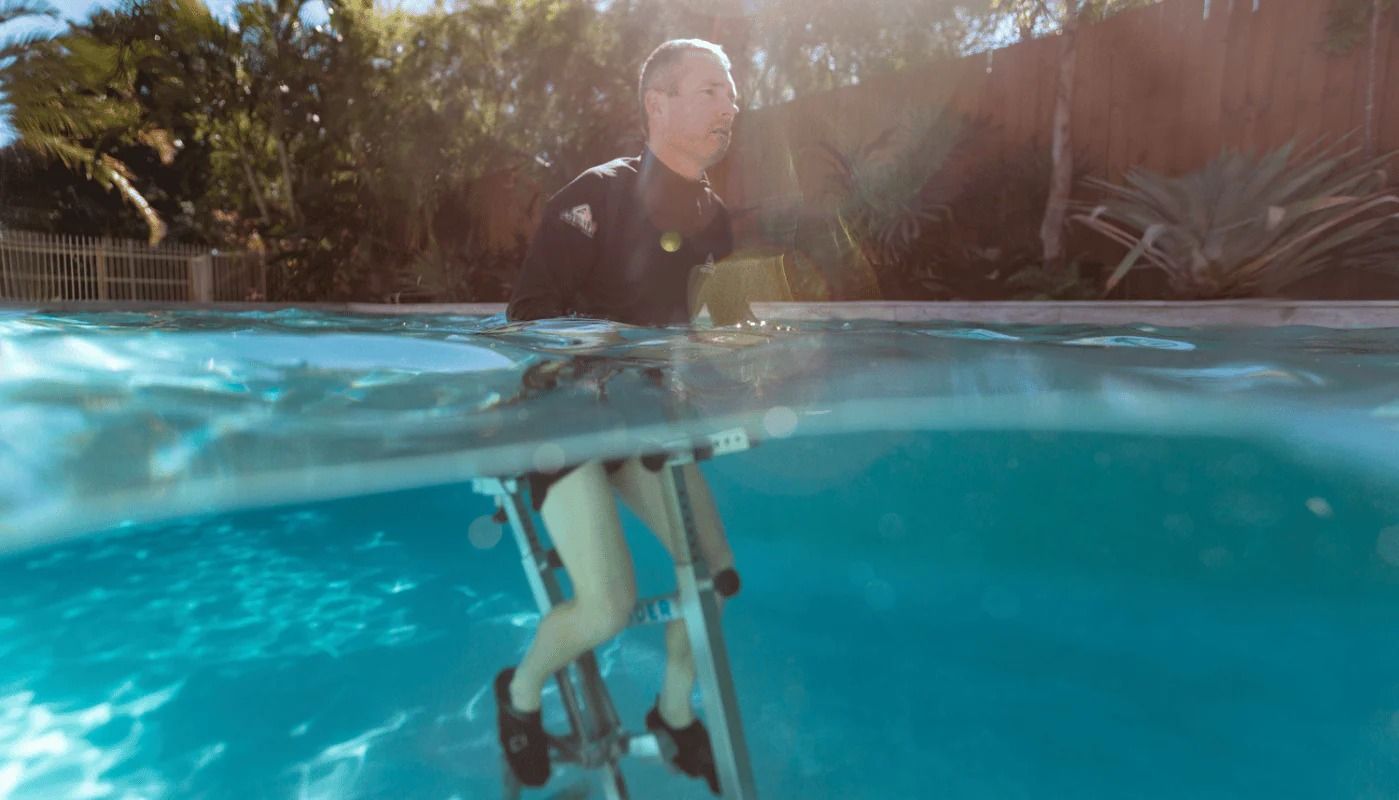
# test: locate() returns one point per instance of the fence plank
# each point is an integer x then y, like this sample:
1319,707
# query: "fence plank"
1119,66
1130,88
1337,108
1027,92
1186,115
70,288
40,267
1311,115
1388,112
1080,121
1018,86
1045,75
56,251
1258,95
22,266
35,266
1161,113
1215,52
17,266
1047,54
5,289
1383,44
1125,91
70,269
129,270
1292,38
1238,48
993,102
50,275
103,286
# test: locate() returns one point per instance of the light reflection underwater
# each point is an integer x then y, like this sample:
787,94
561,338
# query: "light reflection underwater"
1021,561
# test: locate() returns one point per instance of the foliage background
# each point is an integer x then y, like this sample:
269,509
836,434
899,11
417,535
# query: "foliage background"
376,154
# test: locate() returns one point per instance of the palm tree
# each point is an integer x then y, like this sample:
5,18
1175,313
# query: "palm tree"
59,107
12,10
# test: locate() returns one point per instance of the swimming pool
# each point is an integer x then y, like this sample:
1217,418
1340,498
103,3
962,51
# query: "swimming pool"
1010,561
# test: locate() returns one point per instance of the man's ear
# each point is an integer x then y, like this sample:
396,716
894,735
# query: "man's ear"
655,105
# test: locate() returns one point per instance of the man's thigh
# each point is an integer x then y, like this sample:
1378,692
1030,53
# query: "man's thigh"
581,518
645,493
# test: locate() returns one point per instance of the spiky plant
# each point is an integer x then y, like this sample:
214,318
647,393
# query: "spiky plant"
1245,225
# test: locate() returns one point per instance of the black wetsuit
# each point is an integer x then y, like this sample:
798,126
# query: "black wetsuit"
629,241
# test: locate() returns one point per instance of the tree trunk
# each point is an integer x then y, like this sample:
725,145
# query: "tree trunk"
286,177
1061,150
252,184
115,172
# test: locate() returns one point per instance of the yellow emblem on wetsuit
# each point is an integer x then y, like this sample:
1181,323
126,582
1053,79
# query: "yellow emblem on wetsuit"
671,241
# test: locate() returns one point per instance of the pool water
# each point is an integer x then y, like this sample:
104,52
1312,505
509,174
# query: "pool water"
1160,564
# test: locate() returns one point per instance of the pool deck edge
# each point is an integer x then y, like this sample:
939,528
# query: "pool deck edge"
1266,313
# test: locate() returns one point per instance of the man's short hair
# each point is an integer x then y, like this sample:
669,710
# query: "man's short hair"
659,70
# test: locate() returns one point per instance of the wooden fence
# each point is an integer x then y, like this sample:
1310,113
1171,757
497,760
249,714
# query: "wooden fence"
1165,87
44,267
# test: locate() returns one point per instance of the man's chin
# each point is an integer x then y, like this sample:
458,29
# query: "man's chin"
717,153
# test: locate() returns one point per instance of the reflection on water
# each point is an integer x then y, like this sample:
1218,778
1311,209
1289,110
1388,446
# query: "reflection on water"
134,620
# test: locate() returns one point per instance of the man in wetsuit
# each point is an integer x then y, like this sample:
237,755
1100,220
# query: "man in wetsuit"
630,241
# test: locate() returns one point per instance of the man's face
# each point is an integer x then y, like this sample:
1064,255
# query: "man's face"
697,119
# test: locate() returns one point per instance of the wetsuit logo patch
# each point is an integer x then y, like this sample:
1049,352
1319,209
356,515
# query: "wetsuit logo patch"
581,217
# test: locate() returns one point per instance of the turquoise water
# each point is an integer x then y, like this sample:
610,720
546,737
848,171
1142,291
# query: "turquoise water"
982,563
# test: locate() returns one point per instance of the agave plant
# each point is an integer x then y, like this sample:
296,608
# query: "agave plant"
1243,225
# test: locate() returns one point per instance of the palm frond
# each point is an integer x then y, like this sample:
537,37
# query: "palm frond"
11,10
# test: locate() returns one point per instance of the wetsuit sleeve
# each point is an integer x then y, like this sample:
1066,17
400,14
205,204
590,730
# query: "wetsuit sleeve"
561,255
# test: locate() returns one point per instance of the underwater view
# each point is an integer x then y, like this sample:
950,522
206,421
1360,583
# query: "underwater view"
241,555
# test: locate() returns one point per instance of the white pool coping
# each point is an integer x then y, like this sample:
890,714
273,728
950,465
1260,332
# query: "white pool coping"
1266,313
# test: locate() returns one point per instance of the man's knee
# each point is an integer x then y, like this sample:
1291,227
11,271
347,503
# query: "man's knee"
608,613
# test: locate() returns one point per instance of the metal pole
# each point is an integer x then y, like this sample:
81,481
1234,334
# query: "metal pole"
700,605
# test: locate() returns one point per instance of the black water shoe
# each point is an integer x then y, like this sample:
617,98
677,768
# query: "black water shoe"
522,736
693,755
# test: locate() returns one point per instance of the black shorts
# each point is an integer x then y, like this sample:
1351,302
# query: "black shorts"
541,482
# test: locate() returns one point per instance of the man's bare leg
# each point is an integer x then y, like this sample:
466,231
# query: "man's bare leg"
581,518
644,492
